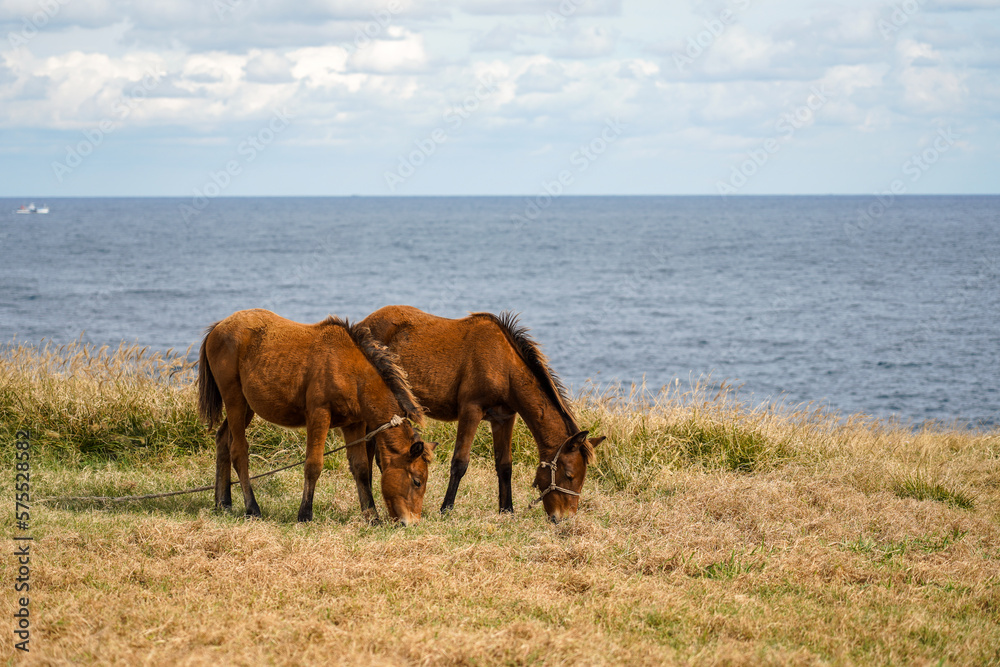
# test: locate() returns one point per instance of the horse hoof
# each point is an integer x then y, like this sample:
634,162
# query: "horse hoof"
447,508
305,516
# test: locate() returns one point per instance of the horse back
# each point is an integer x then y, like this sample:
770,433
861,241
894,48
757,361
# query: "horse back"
449,362
283,368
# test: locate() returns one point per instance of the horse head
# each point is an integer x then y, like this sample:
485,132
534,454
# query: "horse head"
561,479
404,473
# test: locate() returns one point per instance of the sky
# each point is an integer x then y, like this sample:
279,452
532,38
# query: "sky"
498,97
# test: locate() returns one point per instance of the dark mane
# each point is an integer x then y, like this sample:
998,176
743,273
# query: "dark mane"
536,361
385,364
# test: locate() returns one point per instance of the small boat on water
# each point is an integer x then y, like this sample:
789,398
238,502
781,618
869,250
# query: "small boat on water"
31,208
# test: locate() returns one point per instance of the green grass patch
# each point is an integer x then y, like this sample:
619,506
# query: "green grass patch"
725,443
917,487
884,551
734,565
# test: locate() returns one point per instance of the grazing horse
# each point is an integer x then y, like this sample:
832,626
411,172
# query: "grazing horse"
321,376
487,367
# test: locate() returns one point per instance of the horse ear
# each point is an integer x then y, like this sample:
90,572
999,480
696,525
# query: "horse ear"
429,451
575,441
416,415
417,449
596,441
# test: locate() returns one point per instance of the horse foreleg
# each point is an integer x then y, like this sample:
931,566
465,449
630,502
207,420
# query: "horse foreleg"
317,426
468,421
360,461
239,415
503,434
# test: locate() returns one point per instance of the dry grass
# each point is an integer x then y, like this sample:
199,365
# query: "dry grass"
709,533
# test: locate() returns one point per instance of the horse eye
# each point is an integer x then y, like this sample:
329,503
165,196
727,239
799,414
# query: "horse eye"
416,483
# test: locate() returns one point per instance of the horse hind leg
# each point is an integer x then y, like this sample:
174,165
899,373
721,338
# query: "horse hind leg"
223,478
239,415
223,461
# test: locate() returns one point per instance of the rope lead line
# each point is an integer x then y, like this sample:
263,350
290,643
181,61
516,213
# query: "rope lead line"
392,423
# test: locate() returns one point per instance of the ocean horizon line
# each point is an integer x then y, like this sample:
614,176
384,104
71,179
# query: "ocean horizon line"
513,196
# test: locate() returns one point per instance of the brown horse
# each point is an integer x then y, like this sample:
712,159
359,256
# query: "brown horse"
487,367
324,375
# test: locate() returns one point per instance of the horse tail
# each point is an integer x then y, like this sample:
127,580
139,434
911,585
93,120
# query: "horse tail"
209,396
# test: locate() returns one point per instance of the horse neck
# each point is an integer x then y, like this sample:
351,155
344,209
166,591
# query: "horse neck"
395,442
378,409
376,402
541,415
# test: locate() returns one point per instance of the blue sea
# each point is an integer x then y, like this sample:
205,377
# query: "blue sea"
889,308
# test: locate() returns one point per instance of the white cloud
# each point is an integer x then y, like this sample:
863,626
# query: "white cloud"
934,91
962,5
404,53
842,28
320,65
546,77
559,8
269,67
586,42
501,37
740,51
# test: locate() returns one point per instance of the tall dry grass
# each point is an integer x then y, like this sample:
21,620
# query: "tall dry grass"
85,402
79,399
711,428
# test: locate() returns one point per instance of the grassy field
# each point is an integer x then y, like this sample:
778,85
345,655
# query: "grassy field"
708,533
